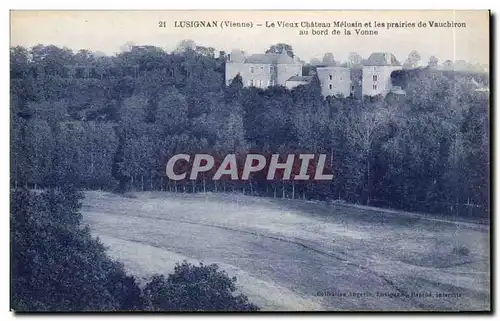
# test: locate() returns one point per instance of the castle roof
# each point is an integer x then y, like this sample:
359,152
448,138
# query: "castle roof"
269,59
381,59
330,67
300,78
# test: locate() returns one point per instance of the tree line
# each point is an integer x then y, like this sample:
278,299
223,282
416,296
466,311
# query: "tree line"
427,150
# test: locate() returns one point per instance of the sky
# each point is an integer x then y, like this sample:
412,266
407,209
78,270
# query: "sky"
108,31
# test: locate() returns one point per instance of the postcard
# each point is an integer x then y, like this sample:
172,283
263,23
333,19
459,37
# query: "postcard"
290,160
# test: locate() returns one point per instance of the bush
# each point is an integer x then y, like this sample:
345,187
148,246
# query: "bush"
57,266
461,251
195,288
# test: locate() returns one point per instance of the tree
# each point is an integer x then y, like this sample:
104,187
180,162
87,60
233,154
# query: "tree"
99,143
433,62
205,51
328,59
281,48
56,265
132,112
127,46
172,112
354,59
230,132
195,288
412,60
41,145
361,134
315,62
19,62
184,45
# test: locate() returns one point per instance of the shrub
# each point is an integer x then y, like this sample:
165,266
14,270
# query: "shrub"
461,251
195,288
56,265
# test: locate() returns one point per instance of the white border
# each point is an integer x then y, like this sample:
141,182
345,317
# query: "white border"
212,4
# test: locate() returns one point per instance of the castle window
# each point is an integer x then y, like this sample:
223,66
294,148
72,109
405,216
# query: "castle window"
330,86
374,77
374,87
331,78
251,83
261,83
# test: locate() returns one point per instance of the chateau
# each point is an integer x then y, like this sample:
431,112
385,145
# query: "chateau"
264,70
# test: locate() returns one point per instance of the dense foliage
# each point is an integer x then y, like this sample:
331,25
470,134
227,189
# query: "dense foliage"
57,266
195,288
106,122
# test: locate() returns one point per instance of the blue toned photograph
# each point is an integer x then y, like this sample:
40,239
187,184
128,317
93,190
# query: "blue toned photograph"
250,161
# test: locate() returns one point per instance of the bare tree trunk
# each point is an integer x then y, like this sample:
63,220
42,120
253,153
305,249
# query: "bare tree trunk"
283,186
369,180
161,184
204,185
274,192
293,190
142,182
193,187
151,181
215,184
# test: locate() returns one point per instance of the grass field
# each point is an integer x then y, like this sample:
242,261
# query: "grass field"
286,254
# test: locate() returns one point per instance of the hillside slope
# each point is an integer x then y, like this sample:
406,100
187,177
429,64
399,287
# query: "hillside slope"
288,254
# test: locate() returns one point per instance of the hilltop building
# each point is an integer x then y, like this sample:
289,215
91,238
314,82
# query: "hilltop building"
295,81
335,81
377,71
264,70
